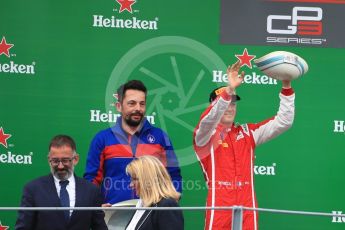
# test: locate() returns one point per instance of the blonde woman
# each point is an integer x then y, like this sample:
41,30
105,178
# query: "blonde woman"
153,185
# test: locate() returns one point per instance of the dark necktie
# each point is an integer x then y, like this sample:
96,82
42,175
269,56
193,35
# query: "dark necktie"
64,197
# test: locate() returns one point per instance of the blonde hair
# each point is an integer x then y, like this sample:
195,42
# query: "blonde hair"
154,181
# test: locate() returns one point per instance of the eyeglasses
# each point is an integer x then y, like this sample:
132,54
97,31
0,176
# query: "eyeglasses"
64,161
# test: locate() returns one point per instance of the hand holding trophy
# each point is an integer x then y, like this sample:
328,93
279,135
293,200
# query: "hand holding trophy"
282,65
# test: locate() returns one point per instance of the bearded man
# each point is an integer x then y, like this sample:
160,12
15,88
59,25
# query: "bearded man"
112,149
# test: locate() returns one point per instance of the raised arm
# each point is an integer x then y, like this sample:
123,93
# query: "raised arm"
212,115
282,121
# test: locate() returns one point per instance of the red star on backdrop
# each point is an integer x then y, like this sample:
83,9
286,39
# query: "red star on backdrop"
126,5
245,58
5,47
3,139
3,227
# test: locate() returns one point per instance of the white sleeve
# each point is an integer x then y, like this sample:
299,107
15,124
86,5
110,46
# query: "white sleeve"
271,128
208,123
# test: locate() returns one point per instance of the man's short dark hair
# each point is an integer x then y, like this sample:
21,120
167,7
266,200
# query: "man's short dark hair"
62,140
132,84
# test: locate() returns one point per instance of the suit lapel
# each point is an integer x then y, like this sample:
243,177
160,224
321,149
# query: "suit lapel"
78,191
50,188
144,217
78,194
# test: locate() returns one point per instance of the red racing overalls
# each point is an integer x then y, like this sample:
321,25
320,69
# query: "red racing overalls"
227,158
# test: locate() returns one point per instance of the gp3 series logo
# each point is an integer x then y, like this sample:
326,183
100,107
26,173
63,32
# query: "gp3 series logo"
304,21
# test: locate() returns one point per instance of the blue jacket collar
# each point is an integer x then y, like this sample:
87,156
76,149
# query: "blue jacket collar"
117,128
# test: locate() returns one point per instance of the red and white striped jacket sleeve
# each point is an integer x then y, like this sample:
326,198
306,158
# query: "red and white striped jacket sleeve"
210,119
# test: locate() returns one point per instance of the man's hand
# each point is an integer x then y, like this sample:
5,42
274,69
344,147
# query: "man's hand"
106,205
235,80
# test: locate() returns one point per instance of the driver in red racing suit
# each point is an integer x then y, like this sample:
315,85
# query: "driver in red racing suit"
226,151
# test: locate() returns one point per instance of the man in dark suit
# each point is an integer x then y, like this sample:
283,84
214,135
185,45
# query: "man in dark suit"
62,188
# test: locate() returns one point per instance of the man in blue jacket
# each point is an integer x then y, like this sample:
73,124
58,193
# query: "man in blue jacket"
112,149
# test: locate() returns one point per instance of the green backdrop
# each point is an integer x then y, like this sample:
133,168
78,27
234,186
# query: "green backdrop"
68,58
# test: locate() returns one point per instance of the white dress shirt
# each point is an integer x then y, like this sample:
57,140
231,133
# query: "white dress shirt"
137,215
70,189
